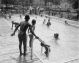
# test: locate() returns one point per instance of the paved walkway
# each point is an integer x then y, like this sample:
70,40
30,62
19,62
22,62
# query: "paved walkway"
9,52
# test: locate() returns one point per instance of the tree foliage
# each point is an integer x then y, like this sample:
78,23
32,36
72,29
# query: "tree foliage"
74,3
55,2
7,1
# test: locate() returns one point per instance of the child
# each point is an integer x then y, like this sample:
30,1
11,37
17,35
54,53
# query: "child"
66,22
48,23
31,36
22,35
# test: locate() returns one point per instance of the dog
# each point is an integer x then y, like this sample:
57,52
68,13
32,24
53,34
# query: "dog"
47,49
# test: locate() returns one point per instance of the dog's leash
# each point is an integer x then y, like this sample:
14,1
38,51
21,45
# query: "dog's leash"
41,41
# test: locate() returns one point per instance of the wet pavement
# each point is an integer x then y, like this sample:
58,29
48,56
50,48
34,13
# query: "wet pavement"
9,52
63,50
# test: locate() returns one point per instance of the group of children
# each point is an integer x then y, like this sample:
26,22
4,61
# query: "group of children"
22,35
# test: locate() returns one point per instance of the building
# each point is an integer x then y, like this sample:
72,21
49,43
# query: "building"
38,2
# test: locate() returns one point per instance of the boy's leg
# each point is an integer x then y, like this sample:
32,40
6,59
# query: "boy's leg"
31,45
12,25
20,45
25,44
30,42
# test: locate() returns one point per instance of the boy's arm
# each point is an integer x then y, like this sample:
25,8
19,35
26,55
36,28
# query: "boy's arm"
15,30
30,27
12,25
28,30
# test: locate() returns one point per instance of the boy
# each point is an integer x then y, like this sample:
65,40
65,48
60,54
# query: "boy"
22,33
48,23
31,36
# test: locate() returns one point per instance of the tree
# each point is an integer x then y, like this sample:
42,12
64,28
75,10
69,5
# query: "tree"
55,2
7,1
74,3
45,2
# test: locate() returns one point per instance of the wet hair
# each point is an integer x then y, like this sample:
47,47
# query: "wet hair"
27,17
33,22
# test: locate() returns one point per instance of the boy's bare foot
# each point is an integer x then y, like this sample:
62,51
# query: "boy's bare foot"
24,54
20,54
